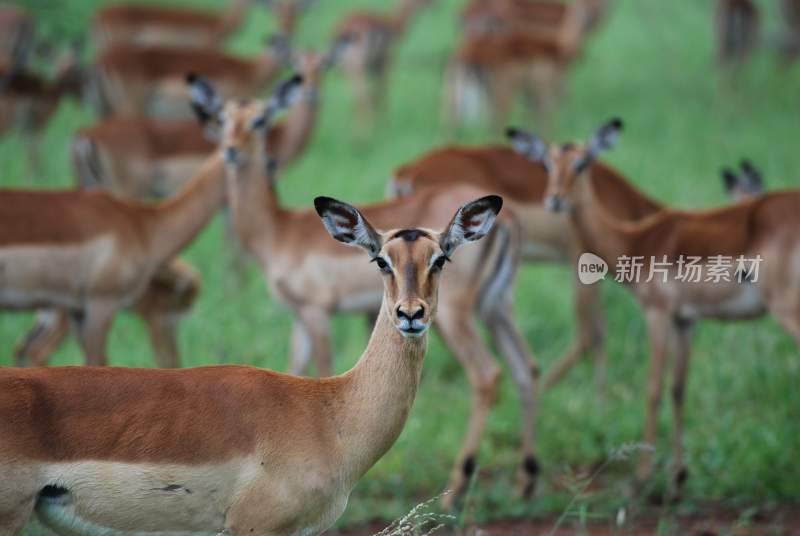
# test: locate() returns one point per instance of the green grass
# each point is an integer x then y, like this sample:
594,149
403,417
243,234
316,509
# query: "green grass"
652,64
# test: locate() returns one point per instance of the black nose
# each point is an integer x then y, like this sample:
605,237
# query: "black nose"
231,155
554,203
418,314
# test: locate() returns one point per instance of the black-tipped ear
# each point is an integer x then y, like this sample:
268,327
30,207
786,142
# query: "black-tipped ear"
471,222
603,139
728,179
529,145
755,182
346,224
337,49
287,92
204,99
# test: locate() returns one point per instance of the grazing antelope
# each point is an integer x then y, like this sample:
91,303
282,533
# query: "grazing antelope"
546,236
148,158
27,101
93,254
228,449
747,257
169,295
745,185
497,67
316,279
16,34
150,80
366,61
736,25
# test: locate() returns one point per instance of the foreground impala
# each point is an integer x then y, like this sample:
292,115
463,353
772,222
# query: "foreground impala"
228,449
317,280
759,238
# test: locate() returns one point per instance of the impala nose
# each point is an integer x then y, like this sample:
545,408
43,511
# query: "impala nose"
411,319
231,155
554,203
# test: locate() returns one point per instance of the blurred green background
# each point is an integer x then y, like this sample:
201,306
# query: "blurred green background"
651,63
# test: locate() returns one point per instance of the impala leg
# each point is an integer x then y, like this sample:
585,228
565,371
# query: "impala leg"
461,336
658,323
93,327
525,371
163,331
501,97
311,339
363,101
680,372
44,338
590,327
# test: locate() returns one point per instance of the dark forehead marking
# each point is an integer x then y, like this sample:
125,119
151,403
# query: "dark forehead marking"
410,235
568,146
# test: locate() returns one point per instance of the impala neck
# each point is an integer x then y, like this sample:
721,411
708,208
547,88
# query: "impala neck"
254,204
173,224
573,27
597,229
379,394
299,125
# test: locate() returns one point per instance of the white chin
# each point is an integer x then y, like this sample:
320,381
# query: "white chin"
413,334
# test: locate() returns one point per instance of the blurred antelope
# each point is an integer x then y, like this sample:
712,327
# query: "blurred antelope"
747,184
736,24
151,80
366,62
27,101
758,237
316,280
541,17
148,158
16,35
169,295
151,25
92,254
497,67
790,41
228,449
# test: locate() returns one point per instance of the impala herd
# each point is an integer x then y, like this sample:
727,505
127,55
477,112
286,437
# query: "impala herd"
238,450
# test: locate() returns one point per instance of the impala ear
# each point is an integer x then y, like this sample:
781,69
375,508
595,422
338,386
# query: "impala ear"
471,222
603,139
286,93
206,104
529,145
280,46
337,49
755,182
729,179
346,224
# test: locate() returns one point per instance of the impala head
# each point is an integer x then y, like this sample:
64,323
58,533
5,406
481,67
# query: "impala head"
410,260
566,164
241,124
748,183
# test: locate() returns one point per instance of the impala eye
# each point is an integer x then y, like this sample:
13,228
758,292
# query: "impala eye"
259,122
383,265
438,264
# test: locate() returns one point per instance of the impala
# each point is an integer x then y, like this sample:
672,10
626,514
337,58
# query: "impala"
149,158
169,295
736,25
500,66
546,236
150,80
93,254
372,38
748,183
482,16
227,449
27,101
148,25
758,238
790,11
316,279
